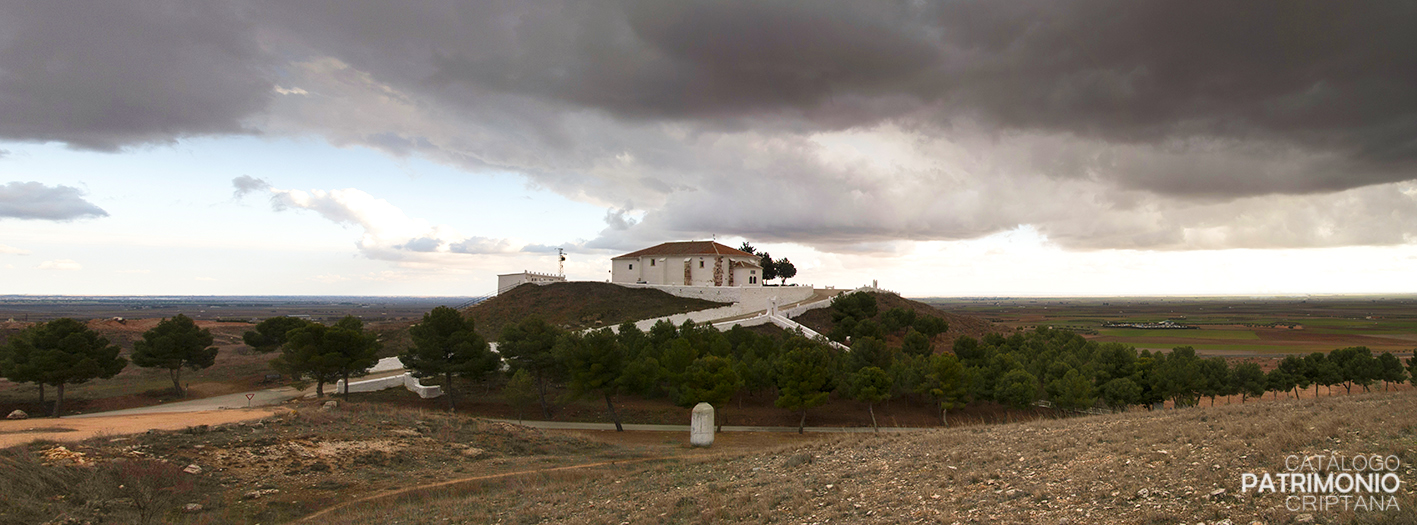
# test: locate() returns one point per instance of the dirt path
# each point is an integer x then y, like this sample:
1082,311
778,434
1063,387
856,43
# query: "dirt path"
416,488
23,431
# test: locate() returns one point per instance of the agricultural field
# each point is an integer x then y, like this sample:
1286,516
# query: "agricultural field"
38,308
1229,326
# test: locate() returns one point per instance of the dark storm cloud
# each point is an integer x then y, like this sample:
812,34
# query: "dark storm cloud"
34,200
693,59
102,75
1200,77
1216,89
1104,123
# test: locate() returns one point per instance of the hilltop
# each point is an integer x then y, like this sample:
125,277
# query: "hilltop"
578,305
821,319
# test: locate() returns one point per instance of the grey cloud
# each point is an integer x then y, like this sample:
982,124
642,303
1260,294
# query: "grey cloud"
34,200
480,245
421,244
247,184
107,74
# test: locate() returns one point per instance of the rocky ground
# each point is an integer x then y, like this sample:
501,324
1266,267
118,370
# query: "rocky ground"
270,470
1170,467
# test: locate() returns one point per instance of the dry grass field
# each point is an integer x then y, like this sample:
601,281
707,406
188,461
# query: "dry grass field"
1168,467
371,463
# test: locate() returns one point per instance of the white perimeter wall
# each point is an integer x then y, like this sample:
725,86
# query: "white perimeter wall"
756,296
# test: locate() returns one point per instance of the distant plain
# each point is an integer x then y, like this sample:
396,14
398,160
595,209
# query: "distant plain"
1232,326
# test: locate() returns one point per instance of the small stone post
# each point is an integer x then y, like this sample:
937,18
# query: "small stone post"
701,425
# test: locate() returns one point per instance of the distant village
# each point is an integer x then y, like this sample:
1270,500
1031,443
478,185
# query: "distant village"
1163,325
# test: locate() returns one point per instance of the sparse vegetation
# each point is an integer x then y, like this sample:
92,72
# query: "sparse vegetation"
1180,466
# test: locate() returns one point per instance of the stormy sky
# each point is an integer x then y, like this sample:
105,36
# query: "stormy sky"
853,129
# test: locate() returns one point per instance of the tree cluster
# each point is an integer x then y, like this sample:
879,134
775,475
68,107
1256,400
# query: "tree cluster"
58,353
316,352
693,363
1072,373
67,352
856,315
772,269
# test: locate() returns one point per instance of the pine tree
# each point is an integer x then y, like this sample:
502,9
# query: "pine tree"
173,344
61,352
445,344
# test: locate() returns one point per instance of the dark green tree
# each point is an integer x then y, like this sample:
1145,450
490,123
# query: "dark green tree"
1391,369
1017,388
930,325
970,352
710,379
857,305
1120,393
1297,368
14,364
1248,380
173,344
1322,371
1278,380
325,354
530,345
1072,392
785,269
520,392
769,267
947,382
271,334
917,344
868,328
1217,378
868,351
747,247
803,376
871,385
1178,376
447,345
897,319
595,363
61,352
1357,366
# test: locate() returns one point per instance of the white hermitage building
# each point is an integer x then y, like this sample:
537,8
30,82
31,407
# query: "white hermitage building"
688,263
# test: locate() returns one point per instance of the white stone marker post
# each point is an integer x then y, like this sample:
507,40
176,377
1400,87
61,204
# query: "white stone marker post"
701,425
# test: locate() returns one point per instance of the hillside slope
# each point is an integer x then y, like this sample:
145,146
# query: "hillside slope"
821,319
1167,467
578,305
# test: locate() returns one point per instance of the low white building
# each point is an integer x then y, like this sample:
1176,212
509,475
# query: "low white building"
688,263
512,280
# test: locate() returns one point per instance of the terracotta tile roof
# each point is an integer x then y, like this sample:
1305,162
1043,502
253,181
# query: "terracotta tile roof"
687,248
744,264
